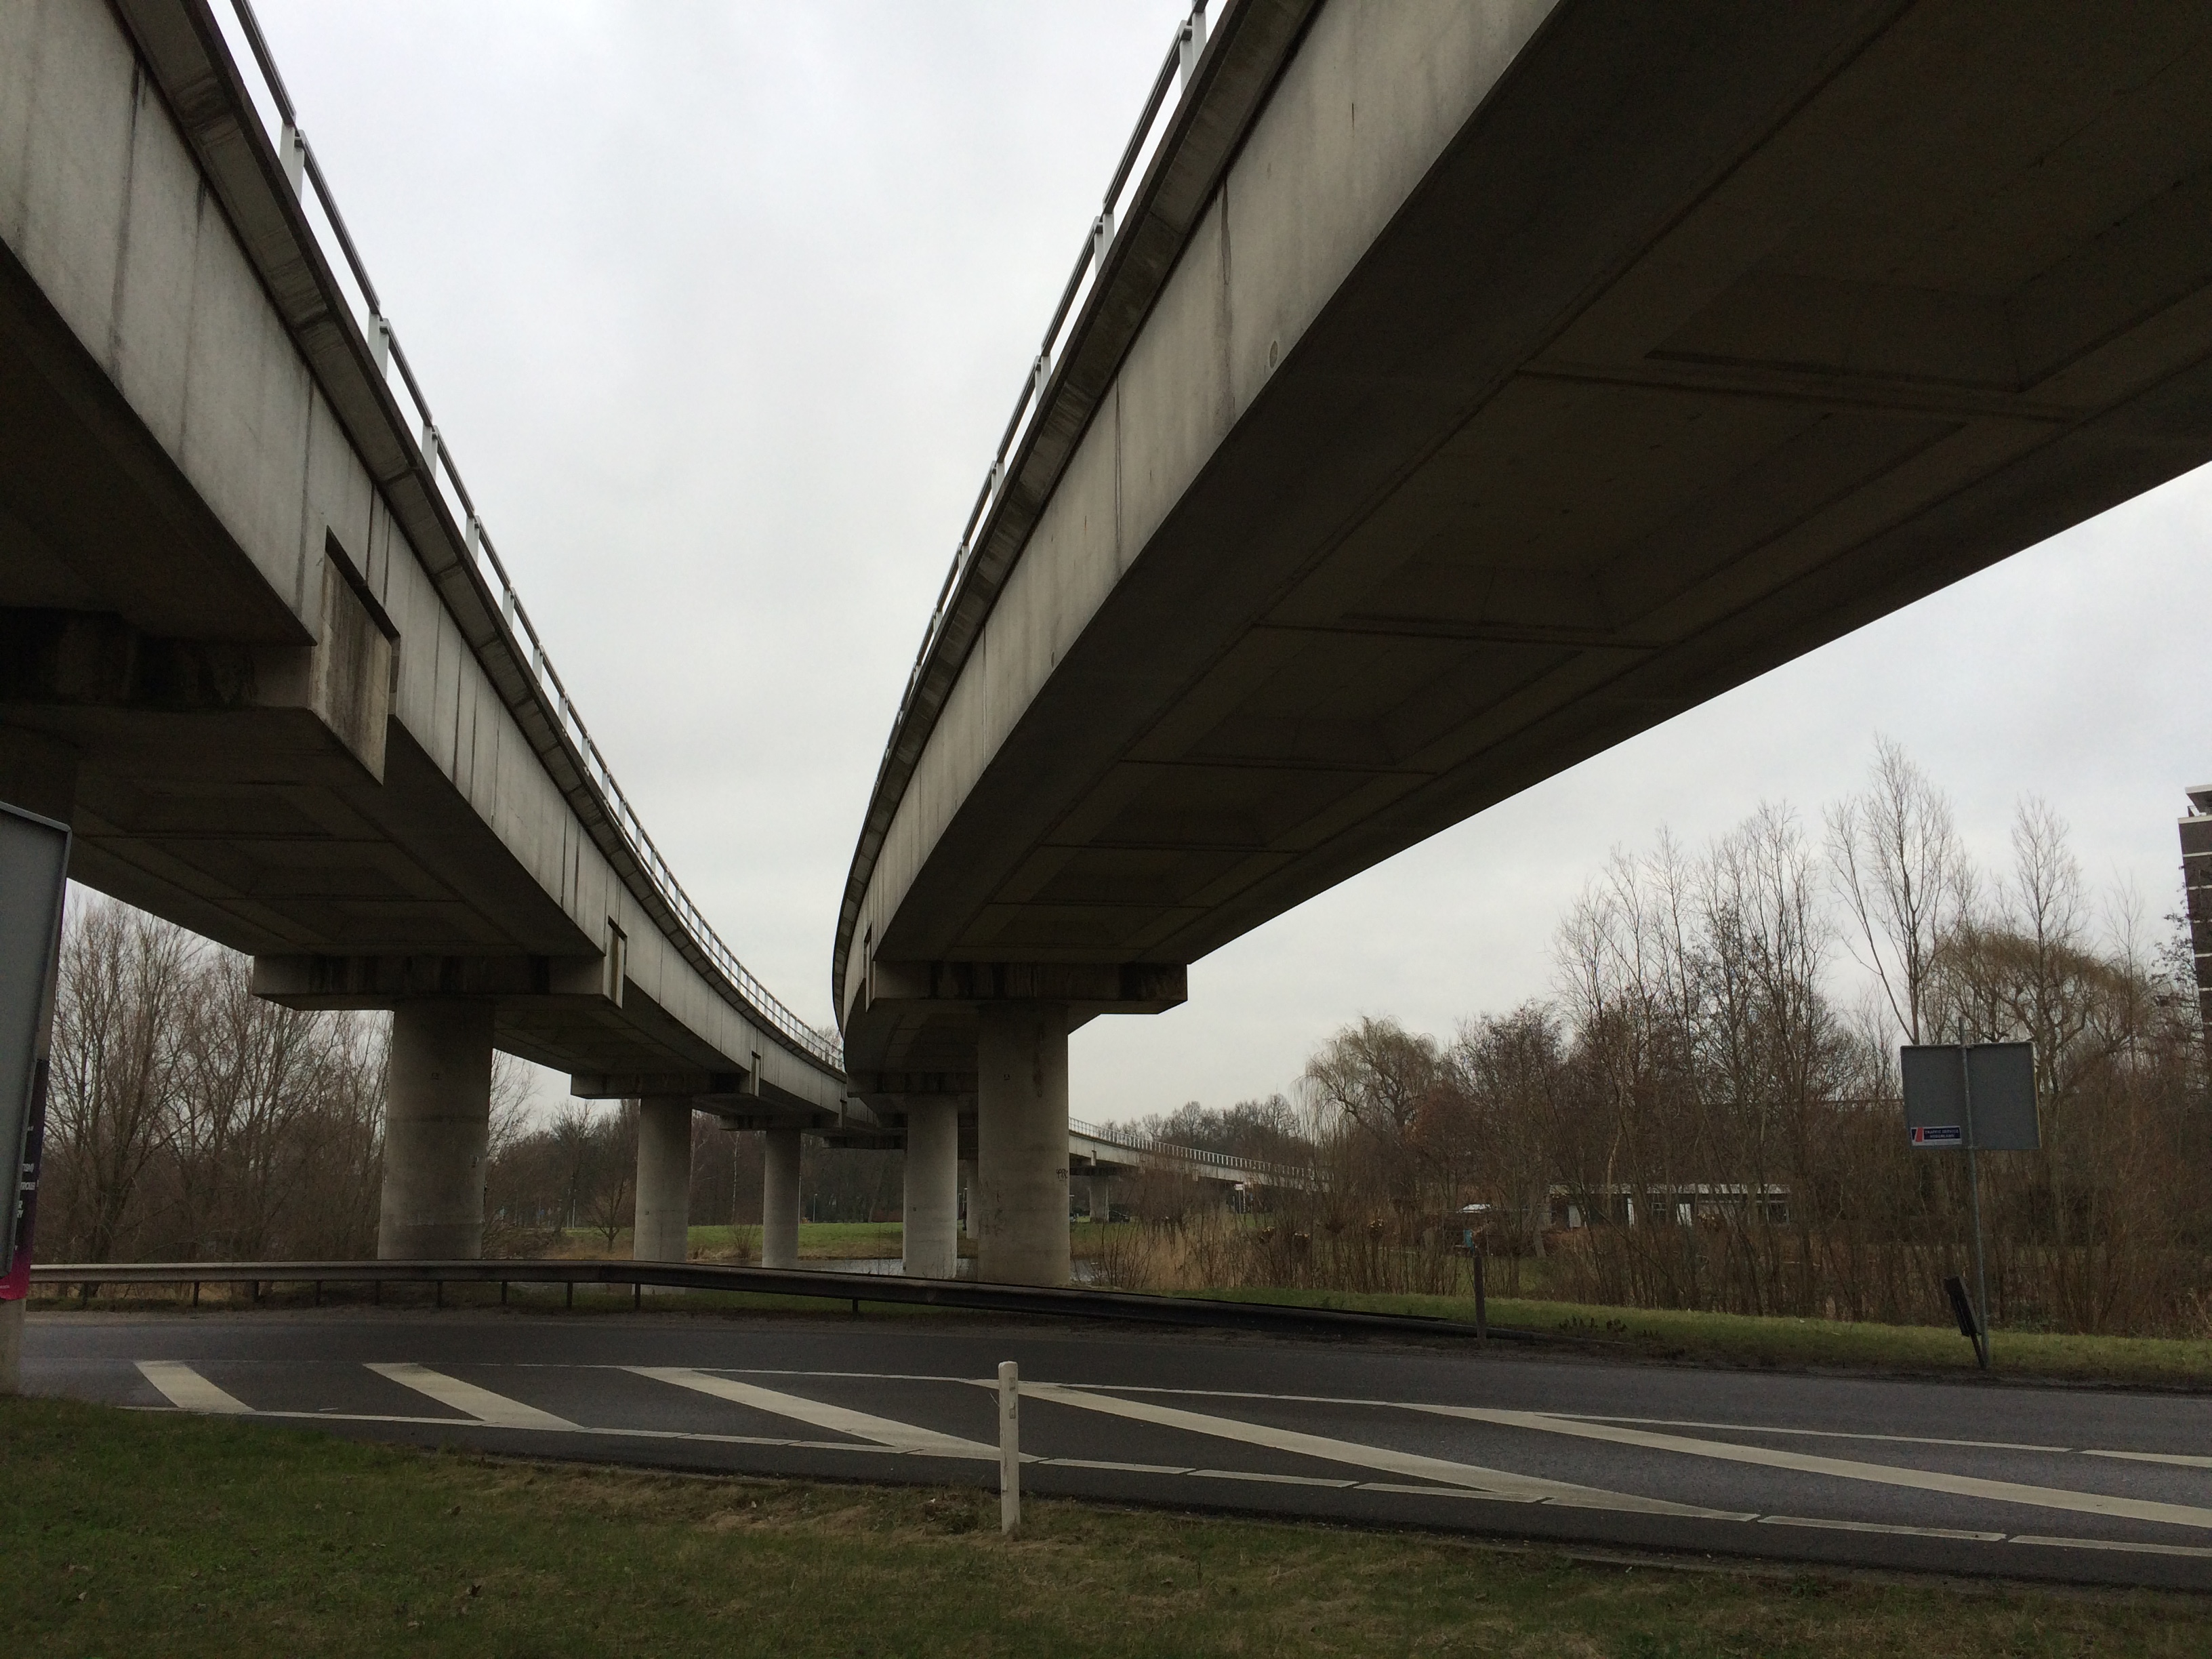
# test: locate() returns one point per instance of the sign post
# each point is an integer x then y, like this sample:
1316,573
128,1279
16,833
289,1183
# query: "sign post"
34,876
1977,1097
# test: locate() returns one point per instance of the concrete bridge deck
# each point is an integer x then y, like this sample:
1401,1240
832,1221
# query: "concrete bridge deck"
1462,389
258,649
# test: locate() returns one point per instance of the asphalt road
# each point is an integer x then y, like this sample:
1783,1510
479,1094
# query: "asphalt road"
2088,1485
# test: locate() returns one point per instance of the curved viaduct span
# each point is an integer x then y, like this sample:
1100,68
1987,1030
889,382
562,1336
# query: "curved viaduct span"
258,649
1454,390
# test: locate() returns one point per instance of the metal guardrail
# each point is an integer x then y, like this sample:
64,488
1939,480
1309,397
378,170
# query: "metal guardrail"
1183,143
1182,56
305,174
824,1285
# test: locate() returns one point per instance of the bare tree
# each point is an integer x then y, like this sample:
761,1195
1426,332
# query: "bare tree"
1903,880
117,1056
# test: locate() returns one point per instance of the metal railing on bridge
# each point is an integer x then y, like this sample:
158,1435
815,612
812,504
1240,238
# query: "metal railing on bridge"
58,1279
1107,1134
305,176
1175,71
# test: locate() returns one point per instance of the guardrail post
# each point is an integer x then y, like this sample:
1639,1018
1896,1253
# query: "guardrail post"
291,151
1010,1448
1481,1293
1190,41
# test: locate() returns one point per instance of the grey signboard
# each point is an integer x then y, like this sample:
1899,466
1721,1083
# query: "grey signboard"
33,871
1981,1094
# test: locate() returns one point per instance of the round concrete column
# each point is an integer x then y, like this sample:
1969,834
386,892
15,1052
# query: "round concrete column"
1021,1142
663,1232
437,1119
38,774
932,1188
968,1186
1102,1199
779,1198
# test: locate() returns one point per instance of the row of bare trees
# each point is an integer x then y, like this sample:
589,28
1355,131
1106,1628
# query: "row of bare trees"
1701,1118
187,1119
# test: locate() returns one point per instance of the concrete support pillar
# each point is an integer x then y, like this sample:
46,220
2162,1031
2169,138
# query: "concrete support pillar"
779,1198
1021,1142
933,1190
1101,1198
39,774
437,1119
968,1188
663,1232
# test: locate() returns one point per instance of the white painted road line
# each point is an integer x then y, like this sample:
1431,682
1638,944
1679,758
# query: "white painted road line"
1276,1479
2194,1552
1497,1482
884,1431
2155,1457
1881,1527
1814,1434
494,1410
1888,1474
187,1391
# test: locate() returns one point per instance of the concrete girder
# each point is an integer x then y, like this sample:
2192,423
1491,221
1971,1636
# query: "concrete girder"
915,1030
304,721
1638,351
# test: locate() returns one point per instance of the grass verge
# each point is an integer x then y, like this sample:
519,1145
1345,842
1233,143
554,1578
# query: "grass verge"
143,1533
1737,1338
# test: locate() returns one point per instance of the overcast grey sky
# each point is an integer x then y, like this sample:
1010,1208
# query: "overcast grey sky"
721,309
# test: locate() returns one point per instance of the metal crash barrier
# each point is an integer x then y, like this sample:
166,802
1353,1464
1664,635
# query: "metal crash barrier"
854,1288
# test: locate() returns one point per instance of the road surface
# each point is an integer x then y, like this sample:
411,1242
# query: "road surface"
2084,1485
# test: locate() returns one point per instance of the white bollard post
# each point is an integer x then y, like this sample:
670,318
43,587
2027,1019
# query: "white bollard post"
1010,1448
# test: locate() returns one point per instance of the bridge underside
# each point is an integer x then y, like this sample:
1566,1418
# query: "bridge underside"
248,776
1717,333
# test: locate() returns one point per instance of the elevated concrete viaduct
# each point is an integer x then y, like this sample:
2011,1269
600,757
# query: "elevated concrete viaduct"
1460,390
255,647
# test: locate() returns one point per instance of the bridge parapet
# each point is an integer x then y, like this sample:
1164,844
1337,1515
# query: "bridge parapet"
259,161
1106,1144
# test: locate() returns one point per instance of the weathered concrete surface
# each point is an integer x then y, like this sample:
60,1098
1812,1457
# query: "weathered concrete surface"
436,1127
662,1231
1535,372
229,591
781,1153
1021,1144
930,1229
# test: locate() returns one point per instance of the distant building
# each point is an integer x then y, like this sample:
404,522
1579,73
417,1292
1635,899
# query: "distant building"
1686,1205
2196,886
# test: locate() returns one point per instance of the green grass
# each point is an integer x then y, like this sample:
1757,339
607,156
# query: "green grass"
137,1532
1737,1338
819,1241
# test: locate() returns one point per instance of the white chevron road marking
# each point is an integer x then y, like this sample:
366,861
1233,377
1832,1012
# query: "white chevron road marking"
861,1425
187,1391
494,1410
1496,1482
1887,1475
